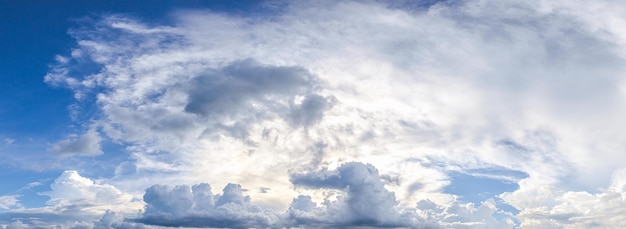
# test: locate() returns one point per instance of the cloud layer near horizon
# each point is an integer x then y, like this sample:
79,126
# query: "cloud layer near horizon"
364,107
361,200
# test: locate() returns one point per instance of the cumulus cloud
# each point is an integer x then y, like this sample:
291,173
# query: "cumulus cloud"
74,200
71,188
366,202
363,201
466,215
542,208
532,86
196,206
112,219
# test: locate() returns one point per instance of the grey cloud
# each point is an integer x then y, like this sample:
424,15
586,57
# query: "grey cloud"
112,219
248,91
363,202
202,196
196,206
163,200
85,145
311,110
244,83
366,201
303,203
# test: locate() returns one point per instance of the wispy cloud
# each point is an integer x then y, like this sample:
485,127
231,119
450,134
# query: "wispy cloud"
7,202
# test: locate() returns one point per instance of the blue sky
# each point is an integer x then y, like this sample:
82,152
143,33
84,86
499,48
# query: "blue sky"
426,114
35,114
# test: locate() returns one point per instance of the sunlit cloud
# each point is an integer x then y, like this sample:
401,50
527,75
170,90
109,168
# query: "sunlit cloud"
480,113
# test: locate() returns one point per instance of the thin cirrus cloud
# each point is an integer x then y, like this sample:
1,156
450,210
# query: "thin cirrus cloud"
355,114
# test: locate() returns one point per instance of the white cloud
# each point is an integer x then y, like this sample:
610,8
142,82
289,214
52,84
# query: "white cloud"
544,208
534,86
74,200
112,219
466,215
17,224
8,202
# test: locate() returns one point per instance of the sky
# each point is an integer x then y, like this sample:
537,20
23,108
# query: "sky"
371,114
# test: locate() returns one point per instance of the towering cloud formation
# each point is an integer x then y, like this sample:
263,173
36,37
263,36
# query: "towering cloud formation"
366,201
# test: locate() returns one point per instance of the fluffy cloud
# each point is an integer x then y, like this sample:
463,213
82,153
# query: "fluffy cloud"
71,188
532,86
466,215
362,201
542,208
112,219
366,202
196,206
74,200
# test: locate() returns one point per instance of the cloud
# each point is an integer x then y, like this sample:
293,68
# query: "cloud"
112,219
246,92
542,208
196,206
87,144
8,141
466,215
8,202
72,187
74,200
531,86
366,202
363,201
17,224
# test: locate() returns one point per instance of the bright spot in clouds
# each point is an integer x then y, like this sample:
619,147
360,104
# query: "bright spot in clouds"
425,114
